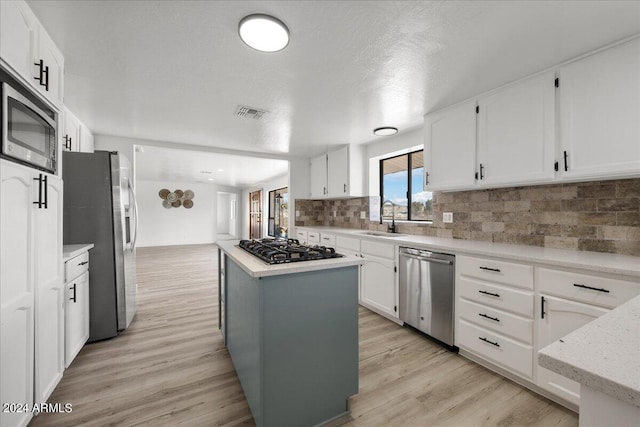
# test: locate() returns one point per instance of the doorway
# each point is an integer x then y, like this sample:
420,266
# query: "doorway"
226,220
255,214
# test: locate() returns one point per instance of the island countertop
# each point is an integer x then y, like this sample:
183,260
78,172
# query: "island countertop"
603,355
255,267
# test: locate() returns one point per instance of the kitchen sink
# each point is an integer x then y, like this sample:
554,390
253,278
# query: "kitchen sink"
381,234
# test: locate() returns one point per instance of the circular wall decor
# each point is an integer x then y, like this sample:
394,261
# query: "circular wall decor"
177,198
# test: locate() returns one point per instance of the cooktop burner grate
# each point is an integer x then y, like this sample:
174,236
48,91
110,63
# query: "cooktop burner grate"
274,251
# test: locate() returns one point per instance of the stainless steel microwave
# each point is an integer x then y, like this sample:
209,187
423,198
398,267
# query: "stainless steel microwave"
28,132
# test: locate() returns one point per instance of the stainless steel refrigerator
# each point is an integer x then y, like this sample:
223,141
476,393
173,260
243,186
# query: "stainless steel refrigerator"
100,208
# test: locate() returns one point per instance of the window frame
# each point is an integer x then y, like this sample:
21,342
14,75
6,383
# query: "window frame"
409,186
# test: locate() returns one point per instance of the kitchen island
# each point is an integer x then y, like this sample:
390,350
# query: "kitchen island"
292,333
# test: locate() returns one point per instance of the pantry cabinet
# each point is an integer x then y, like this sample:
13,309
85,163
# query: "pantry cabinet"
516,133
599,105
17,293
27,49
48,269
450,148
32,291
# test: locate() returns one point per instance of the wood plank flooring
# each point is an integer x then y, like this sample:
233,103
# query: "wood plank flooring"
170,368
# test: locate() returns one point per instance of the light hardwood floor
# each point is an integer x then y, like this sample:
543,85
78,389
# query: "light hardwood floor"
170,367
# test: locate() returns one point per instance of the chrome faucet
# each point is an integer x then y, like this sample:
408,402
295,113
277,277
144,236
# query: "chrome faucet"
390,228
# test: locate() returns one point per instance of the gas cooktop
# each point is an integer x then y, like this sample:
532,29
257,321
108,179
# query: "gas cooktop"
279,251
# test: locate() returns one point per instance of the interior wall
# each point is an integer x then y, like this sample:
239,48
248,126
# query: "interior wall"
159,226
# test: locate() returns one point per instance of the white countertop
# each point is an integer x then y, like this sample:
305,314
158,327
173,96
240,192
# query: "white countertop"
603,355
595,261
70,251
255,267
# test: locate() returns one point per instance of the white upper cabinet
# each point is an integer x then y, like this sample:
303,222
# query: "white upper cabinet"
70,137
318,172
53,61
450,148
27,49
516,129
600,114
86,140
18,37
338,173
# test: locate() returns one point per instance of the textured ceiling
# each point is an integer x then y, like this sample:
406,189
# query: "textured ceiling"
164,164
176,70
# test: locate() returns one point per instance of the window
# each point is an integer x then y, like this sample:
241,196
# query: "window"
278,212
401,183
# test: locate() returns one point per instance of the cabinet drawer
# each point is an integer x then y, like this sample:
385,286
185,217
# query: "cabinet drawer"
76,266
508,273
496,348
496,320
348,243
586,288
301,236
313,237
501,297
383,250
328,240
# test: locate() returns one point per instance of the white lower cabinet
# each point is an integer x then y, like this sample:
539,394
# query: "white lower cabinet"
559,317
77,316
378,278
506,312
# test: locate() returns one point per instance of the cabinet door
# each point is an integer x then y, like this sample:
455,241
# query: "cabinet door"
516,133
378,284
600,114
560,318
86,140
49,315
70,138
17,290
53,59
18,37
450,148
338,172
76,317
319,177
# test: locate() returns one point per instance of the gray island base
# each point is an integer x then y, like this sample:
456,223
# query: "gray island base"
293,340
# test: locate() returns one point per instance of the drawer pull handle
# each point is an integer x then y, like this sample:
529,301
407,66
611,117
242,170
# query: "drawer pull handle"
497,270
489,317
577,285
84,262
490,293
490,342
325,238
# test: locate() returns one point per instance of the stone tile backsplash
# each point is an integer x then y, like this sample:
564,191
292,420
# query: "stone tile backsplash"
601,216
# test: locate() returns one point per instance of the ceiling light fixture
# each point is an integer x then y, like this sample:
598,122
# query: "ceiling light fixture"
385,131
263,32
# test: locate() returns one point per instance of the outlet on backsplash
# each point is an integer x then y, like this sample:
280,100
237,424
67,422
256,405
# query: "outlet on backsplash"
447,217
363,215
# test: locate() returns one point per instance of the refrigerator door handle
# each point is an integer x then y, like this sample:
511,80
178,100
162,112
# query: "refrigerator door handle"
135,218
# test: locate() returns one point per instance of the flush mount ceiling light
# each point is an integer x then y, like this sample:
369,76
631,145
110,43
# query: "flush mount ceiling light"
385,131
263,32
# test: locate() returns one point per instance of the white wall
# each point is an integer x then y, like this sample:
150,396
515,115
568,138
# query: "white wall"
159,226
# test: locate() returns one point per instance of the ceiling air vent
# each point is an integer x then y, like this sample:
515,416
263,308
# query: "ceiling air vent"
249,112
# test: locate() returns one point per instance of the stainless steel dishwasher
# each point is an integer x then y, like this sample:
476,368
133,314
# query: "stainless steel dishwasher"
426,292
